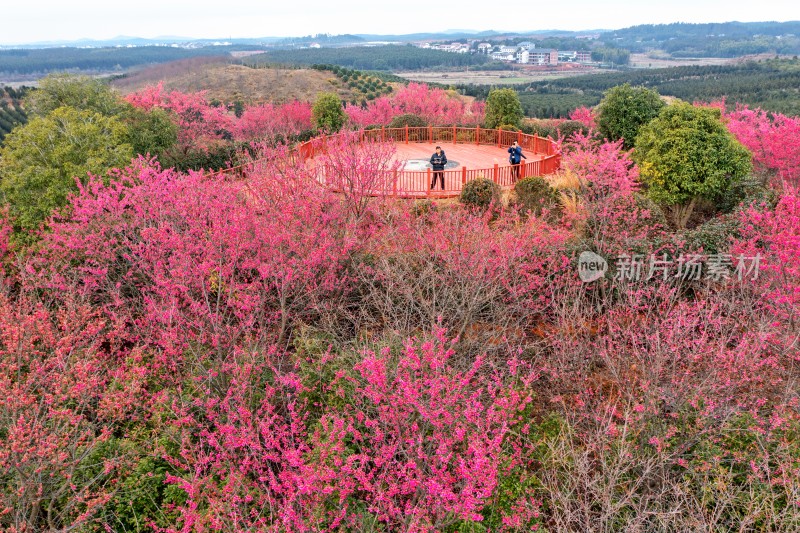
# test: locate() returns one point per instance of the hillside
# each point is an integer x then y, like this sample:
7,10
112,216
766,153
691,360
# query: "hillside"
726,39
229,82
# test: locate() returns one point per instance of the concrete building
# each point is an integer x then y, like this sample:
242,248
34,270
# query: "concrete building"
543,56
574,56
567,56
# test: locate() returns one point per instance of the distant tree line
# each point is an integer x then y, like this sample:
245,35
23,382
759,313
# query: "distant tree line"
391,57
611,55
44,60
322,39
728,39
773,85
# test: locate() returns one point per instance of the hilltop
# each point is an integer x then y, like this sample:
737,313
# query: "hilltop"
225,81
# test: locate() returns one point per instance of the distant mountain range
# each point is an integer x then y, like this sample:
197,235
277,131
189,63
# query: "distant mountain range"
142,41
124,40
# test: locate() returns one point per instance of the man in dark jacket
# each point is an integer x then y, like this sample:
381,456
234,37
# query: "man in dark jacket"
438,161
515,157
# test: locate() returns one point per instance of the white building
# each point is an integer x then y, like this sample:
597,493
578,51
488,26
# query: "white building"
503,56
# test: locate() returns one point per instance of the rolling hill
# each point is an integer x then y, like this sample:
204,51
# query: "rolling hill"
227,82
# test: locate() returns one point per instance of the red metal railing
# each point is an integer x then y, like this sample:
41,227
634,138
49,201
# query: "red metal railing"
414,184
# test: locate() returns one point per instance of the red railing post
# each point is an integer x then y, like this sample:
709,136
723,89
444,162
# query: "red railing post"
427,185
498,134
463,176
455,135
406,133
430,133
394,184
519,137
496,177
477,135
383,133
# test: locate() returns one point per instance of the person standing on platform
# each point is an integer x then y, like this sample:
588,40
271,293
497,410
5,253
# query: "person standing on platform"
515,157
438,161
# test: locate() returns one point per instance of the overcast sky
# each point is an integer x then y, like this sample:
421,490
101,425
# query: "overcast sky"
46,20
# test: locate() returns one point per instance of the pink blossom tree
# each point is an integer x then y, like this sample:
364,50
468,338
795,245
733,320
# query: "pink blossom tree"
774,142
199,123
57,416
358,167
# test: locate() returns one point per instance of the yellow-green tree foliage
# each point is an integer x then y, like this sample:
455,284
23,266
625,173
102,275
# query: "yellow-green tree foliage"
624,110
685,154
41,160
327,113
503,107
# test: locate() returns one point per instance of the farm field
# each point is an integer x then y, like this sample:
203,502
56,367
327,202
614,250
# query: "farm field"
646,61
497,77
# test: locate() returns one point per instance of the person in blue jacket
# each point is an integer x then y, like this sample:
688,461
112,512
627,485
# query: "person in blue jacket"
438,161
515,157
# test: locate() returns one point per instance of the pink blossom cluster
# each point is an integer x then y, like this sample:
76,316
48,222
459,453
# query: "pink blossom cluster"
200,123
773,139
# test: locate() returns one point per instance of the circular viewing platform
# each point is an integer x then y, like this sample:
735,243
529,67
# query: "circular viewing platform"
475,152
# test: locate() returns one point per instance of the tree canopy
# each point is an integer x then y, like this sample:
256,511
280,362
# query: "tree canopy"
685,154
503,107
328,113
624,110
41,160
79,92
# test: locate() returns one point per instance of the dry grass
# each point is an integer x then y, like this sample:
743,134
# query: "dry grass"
225,81
571,203
566,180
569,184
